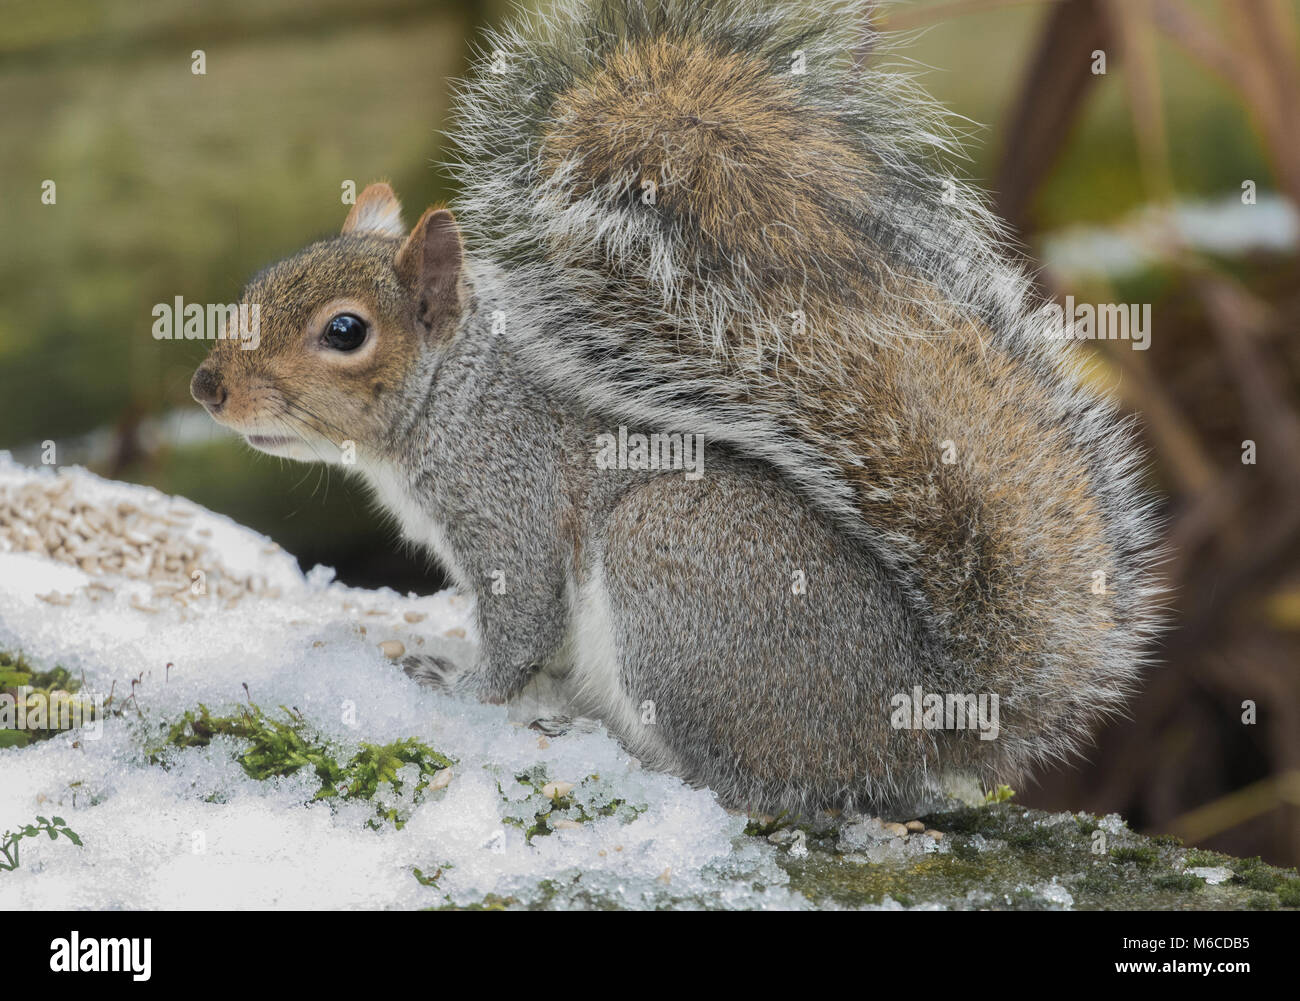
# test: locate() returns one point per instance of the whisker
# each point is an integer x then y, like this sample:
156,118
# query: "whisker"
284,417
307,411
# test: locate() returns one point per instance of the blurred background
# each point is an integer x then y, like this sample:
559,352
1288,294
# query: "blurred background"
1171,178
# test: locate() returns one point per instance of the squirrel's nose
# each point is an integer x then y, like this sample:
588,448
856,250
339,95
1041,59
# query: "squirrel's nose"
206,388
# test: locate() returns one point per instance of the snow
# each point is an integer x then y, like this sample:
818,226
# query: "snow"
1225,227
203,835
1213,875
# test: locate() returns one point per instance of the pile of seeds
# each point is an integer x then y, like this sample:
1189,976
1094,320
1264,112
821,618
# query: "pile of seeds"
121,539
153,553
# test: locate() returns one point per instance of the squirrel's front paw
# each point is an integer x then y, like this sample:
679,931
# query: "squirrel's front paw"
427,671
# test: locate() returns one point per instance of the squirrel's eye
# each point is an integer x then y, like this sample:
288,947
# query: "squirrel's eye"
344,332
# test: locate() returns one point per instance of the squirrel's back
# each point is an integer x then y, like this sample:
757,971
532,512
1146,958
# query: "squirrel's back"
716,220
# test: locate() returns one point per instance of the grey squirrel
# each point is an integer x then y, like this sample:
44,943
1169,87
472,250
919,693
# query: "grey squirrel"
689,219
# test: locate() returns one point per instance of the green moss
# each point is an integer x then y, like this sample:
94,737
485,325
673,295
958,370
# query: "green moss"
999,856
1199,858
536,814
1256,880
1288,893
820,876
1099,883
432,878
281,747
1140,855
757,827
963,849
19,679
559,893
987,821
1179,882
1256,874
491,902
1034,837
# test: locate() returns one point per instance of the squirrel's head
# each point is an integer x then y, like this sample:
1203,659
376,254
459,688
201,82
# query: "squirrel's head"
341,335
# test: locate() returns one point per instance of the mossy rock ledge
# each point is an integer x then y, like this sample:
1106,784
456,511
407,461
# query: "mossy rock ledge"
1007,857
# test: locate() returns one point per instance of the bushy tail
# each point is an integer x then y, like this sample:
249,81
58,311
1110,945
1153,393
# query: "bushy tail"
714,219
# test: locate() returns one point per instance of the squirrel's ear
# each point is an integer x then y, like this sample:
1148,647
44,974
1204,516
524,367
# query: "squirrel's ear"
377,211
431,261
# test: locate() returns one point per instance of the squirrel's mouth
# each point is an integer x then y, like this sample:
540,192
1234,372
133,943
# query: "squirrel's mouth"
269,443
299,449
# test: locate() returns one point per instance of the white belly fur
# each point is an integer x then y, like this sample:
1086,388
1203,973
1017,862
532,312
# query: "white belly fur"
393,490
592,675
